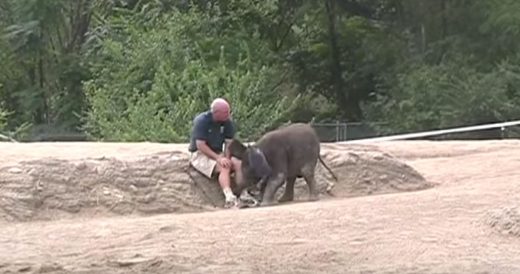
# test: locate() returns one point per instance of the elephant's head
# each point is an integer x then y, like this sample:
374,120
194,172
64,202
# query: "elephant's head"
255,168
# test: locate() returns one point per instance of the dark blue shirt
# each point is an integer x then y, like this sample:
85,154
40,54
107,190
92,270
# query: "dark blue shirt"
214,133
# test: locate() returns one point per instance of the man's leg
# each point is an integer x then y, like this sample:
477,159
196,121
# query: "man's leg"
208,167
203,164
224,179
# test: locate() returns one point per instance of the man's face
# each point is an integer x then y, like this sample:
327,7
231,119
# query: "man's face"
221,114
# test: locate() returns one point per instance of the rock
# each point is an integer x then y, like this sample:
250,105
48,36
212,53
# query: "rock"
15,170
505,220
48,268
24,268
133,188
129,262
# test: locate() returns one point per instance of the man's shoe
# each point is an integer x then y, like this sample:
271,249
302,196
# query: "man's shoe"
231,202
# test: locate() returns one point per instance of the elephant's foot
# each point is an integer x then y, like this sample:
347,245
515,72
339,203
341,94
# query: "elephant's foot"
314,197
266,203
286,198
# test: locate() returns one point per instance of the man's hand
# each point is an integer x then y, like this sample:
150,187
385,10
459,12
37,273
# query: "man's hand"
224,162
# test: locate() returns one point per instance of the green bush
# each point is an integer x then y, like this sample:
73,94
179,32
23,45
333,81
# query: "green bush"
448,95
3,119
150,85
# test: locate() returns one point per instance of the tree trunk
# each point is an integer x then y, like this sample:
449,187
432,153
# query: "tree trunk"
335,68
44,106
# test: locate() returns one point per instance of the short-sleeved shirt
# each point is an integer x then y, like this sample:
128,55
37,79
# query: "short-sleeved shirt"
214,133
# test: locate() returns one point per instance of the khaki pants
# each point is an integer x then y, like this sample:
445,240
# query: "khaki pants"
203,163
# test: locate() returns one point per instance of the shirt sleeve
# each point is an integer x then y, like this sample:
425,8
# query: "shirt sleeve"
229,129
200,131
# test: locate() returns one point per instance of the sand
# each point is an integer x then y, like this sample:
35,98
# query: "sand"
399,207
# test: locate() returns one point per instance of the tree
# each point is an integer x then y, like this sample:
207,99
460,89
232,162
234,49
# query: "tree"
150,85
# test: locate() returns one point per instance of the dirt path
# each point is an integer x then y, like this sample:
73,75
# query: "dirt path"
440,230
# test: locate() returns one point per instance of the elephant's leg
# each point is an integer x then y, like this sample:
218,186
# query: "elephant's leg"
288,195
263,184
271,187
313,190
259,189
308,175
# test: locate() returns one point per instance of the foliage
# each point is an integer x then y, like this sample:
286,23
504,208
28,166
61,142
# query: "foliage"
151,85
446,95
3,119
40,44
141,69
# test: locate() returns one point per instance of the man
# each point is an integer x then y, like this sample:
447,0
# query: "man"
210,130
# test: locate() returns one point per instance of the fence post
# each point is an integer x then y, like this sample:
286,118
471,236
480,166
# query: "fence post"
337,131
503,133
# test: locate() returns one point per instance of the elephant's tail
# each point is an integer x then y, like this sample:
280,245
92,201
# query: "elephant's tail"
325,165
330,185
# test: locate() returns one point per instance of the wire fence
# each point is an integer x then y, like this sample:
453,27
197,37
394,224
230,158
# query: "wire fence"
330,131
338,131
342,131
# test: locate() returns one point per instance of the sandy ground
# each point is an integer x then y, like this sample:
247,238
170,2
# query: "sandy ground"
468,223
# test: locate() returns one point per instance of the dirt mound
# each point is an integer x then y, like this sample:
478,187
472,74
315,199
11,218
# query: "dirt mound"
505,220
52,188
365,170
45,188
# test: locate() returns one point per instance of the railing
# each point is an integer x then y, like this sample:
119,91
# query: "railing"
351,132
502,132
342,131
355,132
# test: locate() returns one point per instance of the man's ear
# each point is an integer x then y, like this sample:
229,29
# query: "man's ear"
237,149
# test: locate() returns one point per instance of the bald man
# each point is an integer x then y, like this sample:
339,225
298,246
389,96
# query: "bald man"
211,129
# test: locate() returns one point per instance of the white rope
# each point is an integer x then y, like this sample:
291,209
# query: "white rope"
433,132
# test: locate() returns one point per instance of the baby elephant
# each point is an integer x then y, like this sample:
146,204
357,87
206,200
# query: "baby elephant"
280,155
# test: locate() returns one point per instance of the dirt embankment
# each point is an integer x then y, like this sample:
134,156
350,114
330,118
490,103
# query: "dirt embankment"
50,181
467,223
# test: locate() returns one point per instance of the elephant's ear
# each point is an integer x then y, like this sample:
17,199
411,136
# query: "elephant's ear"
237,149
258,162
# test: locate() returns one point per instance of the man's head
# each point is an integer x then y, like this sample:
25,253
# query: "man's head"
220,110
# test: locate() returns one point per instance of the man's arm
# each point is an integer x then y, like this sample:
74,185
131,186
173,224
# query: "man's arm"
204,148
200,133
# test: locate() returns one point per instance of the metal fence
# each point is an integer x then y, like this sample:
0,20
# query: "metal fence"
346,131
330,131
342,131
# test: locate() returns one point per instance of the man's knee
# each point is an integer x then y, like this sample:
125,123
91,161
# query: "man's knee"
219,169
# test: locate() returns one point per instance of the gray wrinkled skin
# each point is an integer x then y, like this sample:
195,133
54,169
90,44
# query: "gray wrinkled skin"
280,156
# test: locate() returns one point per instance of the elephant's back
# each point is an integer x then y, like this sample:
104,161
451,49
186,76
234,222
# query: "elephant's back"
298,133
298,144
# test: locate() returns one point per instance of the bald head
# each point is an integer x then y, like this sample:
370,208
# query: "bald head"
219,104
220,109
